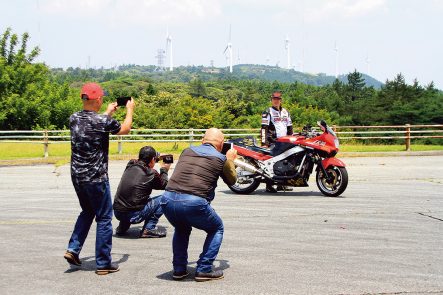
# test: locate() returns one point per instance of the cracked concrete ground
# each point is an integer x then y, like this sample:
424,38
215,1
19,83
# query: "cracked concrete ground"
384,236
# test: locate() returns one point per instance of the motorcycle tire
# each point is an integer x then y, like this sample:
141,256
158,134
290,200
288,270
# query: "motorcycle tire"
338,184
246,182
244,190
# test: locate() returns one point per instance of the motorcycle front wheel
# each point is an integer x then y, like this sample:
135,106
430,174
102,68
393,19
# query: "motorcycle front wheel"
336,182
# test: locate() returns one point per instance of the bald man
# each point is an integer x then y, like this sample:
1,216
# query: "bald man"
186,203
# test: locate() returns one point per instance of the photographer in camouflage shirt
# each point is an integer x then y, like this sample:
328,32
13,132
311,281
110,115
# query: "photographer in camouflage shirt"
89,174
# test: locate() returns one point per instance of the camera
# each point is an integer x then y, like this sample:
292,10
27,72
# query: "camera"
122,100
226,147
167,159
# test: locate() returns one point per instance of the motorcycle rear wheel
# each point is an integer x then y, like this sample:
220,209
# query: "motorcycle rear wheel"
246,182
337,184
243,189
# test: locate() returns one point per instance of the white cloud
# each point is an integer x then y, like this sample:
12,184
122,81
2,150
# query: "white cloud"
320,10
438,4
146,12
180,12
362,7
77,8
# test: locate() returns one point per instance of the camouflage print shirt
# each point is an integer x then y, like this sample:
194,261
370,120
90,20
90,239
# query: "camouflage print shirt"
90,145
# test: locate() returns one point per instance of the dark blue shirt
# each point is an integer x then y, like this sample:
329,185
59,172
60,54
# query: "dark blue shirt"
90,145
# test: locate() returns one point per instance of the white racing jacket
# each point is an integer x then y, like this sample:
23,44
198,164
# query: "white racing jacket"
275,123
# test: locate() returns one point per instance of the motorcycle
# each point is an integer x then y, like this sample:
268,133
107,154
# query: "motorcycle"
290,161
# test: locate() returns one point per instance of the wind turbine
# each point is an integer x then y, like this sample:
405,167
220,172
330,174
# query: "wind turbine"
336,59
169,49
228,51
288,52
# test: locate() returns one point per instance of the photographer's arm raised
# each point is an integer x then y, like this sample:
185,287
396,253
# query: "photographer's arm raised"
126,125
112,107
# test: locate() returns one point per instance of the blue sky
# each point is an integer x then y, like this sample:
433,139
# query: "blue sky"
378,37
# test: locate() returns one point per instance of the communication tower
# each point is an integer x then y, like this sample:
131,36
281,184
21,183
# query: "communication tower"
160,59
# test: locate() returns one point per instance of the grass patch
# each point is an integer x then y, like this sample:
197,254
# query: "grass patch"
389,148
18,153
26,150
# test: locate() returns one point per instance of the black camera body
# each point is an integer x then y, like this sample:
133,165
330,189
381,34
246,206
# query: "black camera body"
122,100
226,147
167,159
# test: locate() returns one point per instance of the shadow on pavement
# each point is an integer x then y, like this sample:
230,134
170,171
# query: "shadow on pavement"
88,263
263,193
167,276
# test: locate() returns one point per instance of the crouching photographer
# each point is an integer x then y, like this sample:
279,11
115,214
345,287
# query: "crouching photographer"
132,202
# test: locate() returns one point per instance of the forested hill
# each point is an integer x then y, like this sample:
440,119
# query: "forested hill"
240,72
34,96
269,73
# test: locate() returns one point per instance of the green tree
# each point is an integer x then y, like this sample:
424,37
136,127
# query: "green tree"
28,97
197,87
150,90
356,84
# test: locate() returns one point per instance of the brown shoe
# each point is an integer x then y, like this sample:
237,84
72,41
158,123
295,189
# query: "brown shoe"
72,258
208,276
107,270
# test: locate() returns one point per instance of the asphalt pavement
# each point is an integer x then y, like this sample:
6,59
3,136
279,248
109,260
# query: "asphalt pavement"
383,236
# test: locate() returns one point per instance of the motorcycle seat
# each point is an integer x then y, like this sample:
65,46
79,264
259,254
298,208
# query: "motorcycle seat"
250,143
260,149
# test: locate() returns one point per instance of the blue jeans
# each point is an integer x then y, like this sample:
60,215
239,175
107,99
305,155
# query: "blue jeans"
150,214
95,201
184,212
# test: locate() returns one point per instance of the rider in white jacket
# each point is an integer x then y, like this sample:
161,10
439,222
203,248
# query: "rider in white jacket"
275,122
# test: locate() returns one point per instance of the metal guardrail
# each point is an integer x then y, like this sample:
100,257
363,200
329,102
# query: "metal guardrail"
47,137
393,132
389,132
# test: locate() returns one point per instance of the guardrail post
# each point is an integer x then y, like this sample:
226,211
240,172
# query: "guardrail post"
45,144
408,137
119,144
191,136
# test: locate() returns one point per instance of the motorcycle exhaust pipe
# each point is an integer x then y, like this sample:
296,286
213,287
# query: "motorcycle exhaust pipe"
250,168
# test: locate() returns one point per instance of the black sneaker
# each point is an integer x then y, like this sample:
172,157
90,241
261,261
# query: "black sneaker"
72,258
270,189
108,269
284,188
180,275
208,276
152,233
121,230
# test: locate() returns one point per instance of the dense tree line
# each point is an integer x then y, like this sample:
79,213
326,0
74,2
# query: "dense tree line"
28,97
32,96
